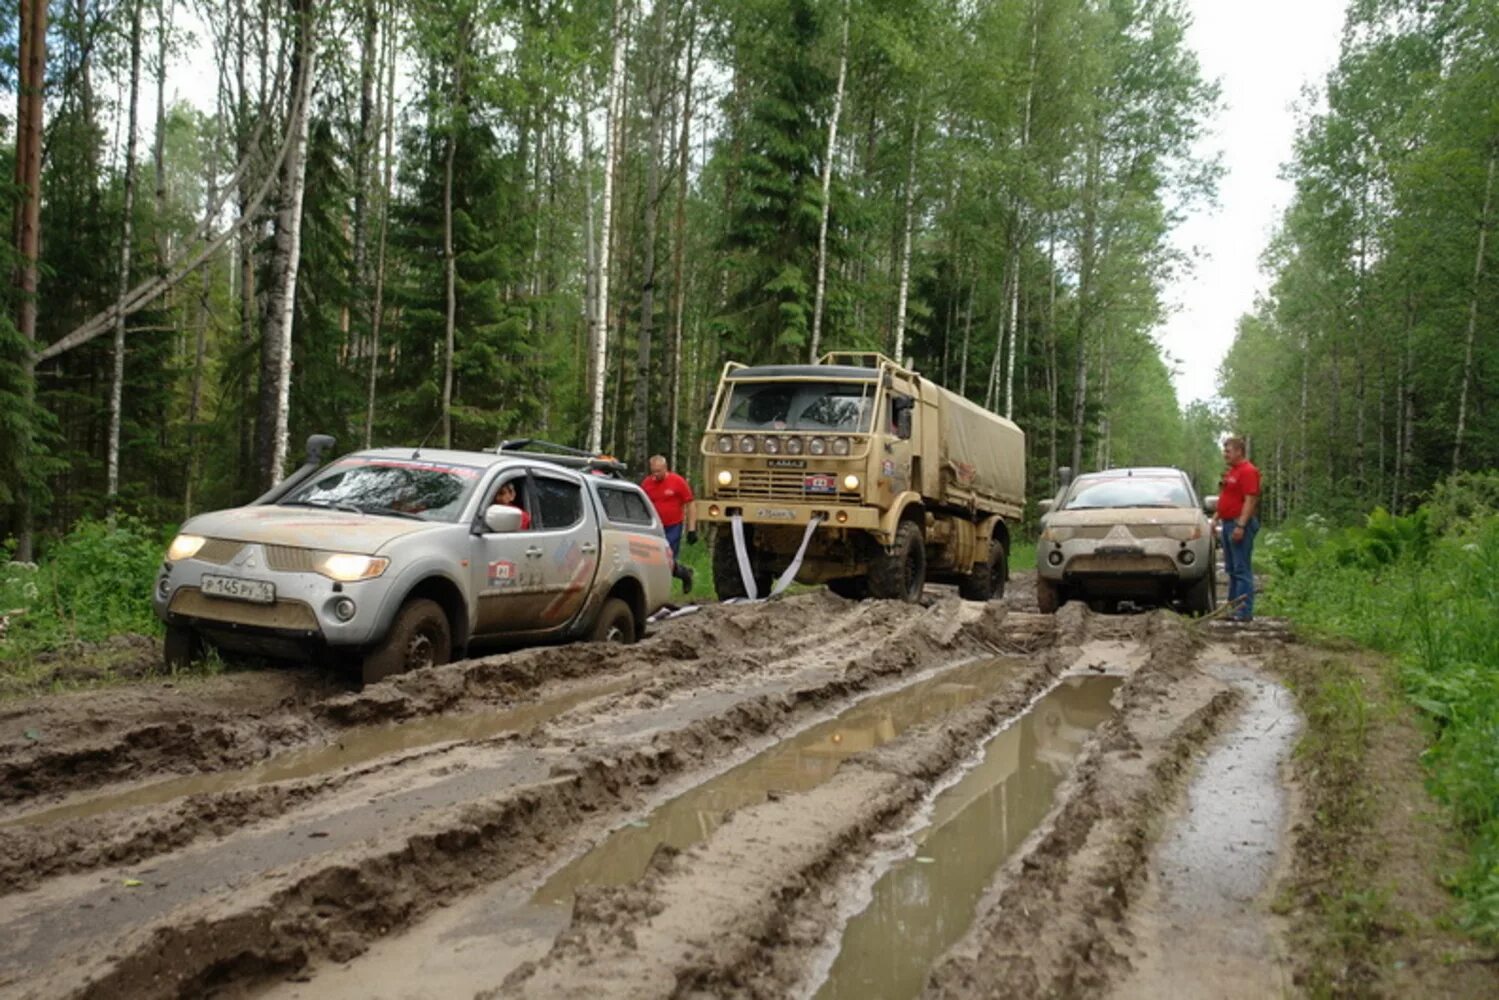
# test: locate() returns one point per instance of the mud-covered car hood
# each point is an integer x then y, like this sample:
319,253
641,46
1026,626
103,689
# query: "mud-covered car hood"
1123,515
306,527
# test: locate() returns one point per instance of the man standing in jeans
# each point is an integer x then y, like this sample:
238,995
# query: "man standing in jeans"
1238,507
672,498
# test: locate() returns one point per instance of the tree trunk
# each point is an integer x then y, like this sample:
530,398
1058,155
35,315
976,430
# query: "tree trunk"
1087,251
905,244
655,100
601,347
32,77
377,306
820,296
364,144
117,378
276,352
678,286
164,10
449,260
1483,233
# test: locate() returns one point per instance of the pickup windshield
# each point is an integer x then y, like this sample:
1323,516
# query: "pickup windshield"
390,488
1127,491
800,406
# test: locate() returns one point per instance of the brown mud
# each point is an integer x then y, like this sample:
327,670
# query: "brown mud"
721,809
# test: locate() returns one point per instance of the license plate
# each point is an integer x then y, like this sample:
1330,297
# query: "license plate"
820,484
239,589
776,514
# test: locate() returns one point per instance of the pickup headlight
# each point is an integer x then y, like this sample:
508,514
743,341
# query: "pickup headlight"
347,567
185,547
1183,532
1057,534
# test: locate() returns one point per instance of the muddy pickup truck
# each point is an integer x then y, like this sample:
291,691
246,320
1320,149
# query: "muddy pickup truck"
859,473
394,559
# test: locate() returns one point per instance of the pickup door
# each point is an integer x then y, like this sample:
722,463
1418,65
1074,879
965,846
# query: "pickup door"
532,583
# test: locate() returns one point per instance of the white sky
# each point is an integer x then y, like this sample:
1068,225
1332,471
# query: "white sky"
1263,53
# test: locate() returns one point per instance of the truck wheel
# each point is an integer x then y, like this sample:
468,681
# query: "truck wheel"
181,647
987,581
1202,596
900,574
616,623
855,588
1049,595
726,579
419,637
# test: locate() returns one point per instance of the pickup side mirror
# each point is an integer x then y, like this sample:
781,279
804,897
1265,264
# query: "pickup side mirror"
1064,477
1210,504
1044,506
502,519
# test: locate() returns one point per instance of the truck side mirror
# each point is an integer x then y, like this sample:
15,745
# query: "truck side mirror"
501,519
1210,504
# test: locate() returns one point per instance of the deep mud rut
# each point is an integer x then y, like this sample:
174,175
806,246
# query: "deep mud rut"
809,797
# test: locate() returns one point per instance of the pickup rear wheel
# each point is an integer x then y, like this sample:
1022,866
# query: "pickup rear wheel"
900,574
419,637
616,623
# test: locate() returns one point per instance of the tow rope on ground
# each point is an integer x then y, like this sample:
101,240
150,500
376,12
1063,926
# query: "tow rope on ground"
741,554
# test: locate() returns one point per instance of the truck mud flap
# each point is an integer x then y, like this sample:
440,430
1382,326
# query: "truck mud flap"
752,593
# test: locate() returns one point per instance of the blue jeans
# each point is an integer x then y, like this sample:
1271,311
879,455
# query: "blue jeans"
1236,557
674,542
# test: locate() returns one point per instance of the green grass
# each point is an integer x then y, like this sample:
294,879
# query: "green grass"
1432,602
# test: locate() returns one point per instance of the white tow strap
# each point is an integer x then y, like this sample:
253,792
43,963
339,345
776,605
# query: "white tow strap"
784,580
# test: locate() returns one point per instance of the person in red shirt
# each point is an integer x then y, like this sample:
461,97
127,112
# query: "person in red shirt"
1238,510
672,498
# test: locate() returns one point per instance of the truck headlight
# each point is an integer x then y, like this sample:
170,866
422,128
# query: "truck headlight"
347,567
725,477
725,443
770,445
817,446
747,444
185,547
850,482
840,446
793,446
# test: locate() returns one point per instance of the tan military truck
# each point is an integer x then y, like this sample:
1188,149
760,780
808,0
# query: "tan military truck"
857,473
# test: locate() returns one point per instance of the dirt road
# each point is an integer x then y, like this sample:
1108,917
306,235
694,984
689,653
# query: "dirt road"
811,797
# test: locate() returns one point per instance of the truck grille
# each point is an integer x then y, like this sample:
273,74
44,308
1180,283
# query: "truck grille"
779,484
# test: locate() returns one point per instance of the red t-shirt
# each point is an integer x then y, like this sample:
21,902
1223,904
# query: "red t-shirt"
1239,481
670,494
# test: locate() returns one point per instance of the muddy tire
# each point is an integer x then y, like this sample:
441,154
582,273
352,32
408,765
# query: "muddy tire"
1202,597
1049,595
181,647
727,581
419,637
900,574
987,581
855,588
616,623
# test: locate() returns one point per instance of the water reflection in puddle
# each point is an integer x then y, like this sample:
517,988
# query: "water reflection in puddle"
923,904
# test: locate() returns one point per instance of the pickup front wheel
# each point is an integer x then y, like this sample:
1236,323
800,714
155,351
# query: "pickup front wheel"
616,623
419,637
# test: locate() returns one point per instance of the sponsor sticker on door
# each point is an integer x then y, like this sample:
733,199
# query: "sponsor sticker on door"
502,574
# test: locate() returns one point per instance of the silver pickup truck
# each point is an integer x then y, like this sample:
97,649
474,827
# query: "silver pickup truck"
399,558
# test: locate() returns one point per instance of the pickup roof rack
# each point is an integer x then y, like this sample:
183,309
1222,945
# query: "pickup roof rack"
561,454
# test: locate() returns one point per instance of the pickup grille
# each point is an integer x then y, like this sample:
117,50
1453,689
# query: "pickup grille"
779,484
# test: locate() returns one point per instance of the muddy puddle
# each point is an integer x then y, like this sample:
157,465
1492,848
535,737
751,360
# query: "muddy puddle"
353,746
925,901
481,941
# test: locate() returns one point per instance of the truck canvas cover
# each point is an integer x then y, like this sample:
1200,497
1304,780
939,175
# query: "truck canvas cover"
983,454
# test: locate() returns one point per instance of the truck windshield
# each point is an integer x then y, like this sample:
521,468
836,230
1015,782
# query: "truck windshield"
428,491
1127,491
801,406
